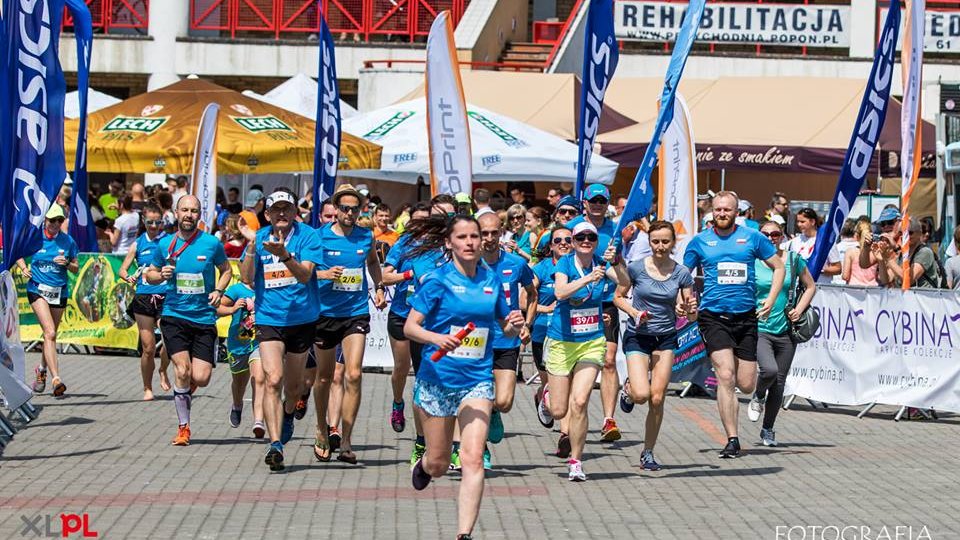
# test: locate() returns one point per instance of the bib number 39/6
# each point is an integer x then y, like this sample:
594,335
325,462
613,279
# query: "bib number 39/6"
584,321
351,280
50,294
473,347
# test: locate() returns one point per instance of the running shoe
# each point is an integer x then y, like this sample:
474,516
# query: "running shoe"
301,408
610,431
495,434
626,402
59,389
397,421
419,477
183,436
648,462
40,382
754,409
259,430
286,430
274,457
464,537
731,450
563,446
333,435
768,437
487,459
455,460
575,471
543,411
235,416
417,453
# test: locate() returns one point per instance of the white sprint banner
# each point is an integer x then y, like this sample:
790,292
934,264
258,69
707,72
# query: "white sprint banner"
884,346
204,169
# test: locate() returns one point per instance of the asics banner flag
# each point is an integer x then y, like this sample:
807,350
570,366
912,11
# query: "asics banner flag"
600,55
677,200
641,193
327,150
32,89
911,62
81,223
863,142
451,169
203,176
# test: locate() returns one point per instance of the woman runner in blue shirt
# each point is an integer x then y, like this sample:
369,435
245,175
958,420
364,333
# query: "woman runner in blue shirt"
459,386
47,292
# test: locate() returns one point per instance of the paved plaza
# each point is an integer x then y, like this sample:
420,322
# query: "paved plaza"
103,452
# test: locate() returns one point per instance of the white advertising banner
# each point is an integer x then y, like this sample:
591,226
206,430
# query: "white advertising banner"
12,369
882,346
941,32
677,201
770,24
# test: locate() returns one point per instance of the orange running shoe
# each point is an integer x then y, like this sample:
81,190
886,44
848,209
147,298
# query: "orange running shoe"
610,431
183,436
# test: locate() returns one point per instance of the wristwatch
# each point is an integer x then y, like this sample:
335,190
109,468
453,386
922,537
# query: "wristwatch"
287,258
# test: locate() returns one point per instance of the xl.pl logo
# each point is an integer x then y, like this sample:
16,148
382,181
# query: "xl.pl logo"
42,525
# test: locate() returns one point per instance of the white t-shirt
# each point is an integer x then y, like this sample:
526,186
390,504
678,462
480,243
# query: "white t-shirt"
127,225
803,245
842,248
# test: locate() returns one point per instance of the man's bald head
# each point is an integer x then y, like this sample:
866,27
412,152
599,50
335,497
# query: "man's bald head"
491,229
192,200
489,219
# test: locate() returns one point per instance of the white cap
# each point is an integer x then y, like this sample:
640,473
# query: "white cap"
363,189
777,218
279,197
584,226
744,205
708,217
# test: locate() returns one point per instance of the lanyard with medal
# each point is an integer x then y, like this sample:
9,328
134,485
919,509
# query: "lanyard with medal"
173,255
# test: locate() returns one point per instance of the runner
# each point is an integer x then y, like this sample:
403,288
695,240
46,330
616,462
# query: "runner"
561,242
575,346
567,209
661,289
459,386
243,356
514,275
344,311
47,292
775,348
148,301
726,255
598,200
279,261
188,264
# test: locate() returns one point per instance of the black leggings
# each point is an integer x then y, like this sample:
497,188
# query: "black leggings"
774,357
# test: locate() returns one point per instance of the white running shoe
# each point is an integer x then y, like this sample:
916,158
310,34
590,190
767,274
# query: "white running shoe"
755,409
575,471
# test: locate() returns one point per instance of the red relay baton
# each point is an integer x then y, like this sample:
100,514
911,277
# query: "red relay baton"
464,332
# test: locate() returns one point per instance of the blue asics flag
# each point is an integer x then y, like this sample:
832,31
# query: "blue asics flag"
600,55
641,193
866,132
82,228
327,151
32,89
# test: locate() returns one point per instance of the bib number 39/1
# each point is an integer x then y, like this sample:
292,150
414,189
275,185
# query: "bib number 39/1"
473,347
189,283
351,280
731,273
50,294
584,321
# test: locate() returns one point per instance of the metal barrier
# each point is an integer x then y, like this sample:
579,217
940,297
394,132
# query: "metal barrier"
298,19
108,15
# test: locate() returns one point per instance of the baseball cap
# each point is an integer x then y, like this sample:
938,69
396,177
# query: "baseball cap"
363,189
462,198
250,220
56,212
708,217
596,190
280,196
744,205
569,200
584,226
889,214
253,197
778,219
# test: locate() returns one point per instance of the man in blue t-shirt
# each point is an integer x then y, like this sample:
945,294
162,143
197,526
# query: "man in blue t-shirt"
597,198
348,254
187,261
279,260
726,256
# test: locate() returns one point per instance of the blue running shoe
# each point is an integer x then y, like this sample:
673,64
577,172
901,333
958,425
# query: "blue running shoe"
487,459
648,461
274,457
495,435
286,430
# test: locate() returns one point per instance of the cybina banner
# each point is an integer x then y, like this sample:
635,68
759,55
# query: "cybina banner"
882,346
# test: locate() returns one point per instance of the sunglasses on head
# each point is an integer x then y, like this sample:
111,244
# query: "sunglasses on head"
586,237
346,209
564,240
153,222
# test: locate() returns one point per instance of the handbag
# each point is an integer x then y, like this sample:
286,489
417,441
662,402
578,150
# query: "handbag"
803,329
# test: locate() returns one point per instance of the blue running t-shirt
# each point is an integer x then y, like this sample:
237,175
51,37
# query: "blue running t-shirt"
449,300
235,345
421,265
49,279
346,296
579,318
514,274
605,232
544,271
281,299
727,263
194,277
145,250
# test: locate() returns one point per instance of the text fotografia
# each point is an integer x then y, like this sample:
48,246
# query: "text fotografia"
853,532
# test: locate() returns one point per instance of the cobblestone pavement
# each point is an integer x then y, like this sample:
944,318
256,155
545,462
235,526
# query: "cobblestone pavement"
103,452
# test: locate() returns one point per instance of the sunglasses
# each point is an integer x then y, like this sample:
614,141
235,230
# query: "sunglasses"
887,223
514,218
153,222
346,209
567,211
586,237
598,200
56,220
772,234
564,240
489,234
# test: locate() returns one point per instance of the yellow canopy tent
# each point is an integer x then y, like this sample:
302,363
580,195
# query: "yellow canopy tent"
156,133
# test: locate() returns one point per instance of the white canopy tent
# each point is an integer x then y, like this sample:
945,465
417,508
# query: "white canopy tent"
504,149
298,94
95,101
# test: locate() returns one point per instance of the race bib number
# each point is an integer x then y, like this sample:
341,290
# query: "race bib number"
731,273
50,294
584,321
188,283
276,275
351,280
410,291
473,347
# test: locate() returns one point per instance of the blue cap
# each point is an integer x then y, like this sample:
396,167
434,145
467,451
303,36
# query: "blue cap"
596,190
889,214
569,200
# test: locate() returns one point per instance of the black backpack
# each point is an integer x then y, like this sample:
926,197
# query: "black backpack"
941,281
